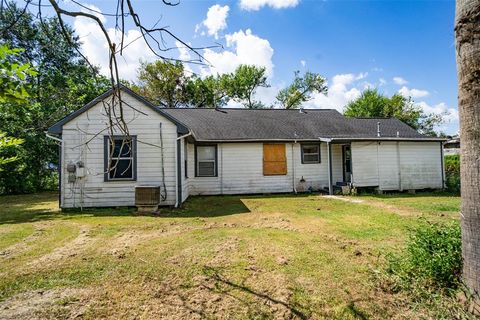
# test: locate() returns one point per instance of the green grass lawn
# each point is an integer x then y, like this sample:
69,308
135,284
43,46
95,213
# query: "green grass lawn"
235,257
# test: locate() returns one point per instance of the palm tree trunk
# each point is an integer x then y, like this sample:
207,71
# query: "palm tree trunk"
467,35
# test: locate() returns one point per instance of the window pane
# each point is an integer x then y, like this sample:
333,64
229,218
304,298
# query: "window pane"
310,149
125,149
206,153
310,158
206,169
122,170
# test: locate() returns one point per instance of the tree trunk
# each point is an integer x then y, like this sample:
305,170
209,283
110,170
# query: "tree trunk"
467,35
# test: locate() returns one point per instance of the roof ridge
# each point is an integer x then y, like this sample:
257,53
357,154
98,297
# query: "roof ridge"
247,109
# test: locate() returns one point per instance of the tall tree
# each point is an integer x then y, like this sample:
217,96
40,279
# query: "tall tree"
62,84
14,89
163,82
301,89
467,36
372,103
243,84
168,85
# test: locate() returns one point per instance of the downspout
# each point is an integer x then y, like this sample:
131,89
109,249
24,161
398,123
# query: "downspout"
399,163
178,169
221,168
293,167
443,164
60,167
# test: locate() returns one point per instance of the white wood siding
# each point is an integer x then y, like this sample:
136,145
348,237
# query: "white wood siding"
92,190
365,164
397,165
240,170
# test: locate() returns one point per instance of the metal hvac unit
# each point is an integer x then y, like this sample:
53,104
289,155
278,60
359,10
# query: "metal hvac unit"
147,198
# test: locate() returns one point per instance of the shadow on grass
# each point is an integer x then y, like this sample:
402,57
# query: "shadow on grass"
225,286
43,207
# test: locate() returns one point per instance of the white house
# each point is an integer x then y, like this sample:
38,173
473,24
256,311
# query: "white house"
190,151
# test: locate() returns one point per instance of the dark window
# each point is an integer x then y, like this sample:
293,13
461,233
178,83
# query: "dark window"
310,153
185,158
206,161
120,158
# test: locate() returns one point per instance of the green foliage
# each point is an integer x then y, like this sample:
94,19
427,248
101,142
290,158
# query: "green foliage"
168,85
62,84
452,173
432,259
243,83
6,142
163,83
13,76
371,103
301,90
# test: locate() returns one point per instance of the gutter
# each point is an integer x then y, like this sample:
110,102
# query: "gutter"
178,169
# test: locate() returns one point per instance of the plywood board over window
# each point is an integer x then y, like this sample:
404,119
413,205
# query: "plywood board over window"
274,160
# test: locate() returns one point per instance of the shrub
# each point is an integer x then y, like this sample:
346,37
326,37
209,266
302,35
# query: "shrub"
452,173
432,259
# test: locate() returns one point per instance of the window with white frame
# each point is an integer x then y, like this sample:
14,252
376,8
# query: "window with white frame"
310,153
120,158
206,161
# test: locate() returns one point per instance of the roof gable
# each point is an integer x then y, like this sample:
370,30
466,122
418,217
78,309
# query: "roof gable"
57,127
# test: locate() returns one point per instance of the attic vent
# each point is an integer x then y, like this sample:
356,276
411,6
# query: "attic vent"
378,129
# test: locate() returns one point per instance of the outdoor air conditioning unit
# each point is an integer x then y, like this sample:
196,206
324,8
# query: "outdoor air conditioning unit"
147,198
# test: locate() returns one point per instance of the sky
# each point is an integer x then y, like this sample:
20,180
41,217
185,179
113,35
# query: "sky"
394,46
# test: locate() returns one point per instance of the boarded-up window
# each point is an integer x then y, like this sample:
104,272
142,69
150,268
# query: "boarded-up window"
274,160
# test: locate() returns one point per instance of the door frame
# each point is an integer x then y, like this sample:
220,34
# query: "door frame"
344,162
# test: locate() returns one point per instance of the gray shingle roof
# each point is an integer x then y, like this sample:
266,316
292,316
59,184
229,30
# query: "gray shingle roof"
279,124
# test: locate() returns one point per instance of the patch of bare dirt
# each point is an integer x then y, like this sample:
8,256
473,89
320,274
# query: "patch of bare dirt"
70,249
394,209
266,222
39,304
377,204
346,199
22,245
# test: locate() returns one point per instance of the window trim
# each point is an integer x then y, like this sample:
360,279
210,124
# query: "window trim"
303,153
106,154
216,160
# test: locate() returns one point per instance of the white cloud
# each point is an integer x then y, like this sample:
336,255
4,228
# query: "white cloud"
382,82
95,48
341,91
254,5
414,93
243,48
303,63
400,81
215,21
450,115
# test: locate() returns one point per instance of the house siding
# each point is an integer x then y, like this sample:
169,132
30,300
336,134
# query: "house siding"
240,170
397,165
93,191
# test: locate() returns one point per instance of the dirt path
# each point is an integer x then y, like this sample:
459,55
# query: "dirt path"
406,212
